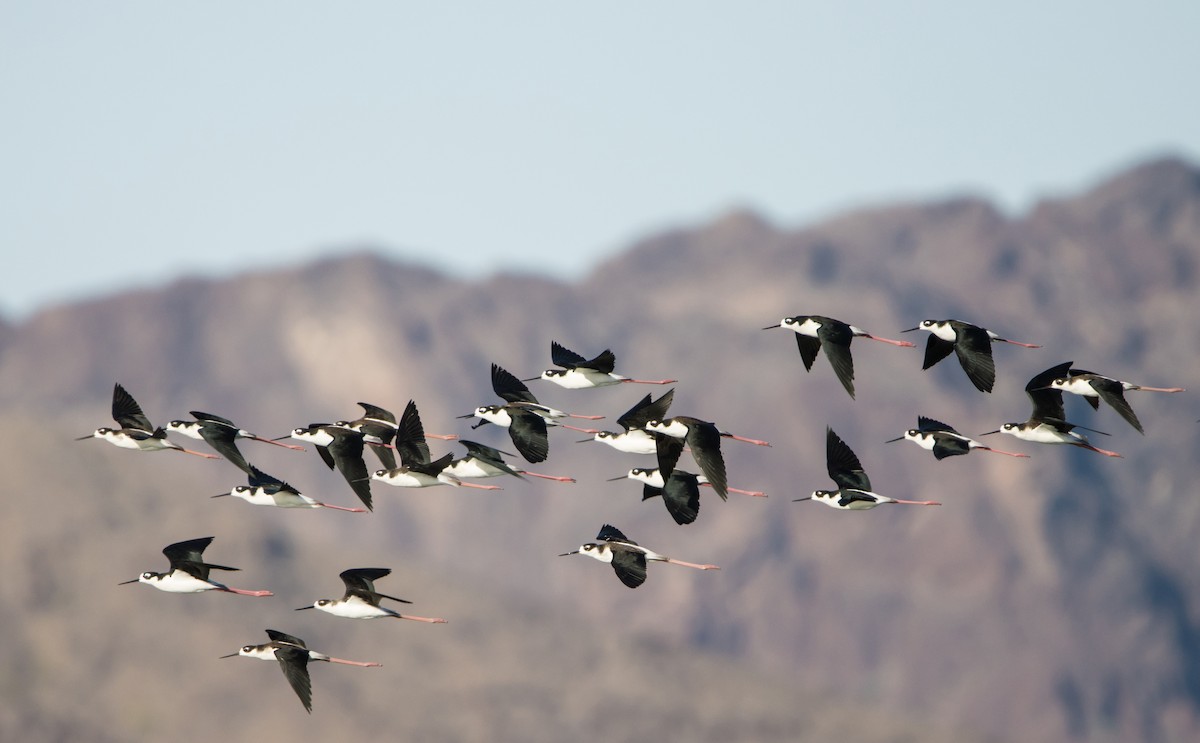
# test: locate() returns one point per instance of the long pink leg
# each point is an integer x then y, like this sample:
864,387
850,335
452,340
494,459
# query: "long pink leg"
755,493
577,428
244,592
650,381
1158,389
1017,343
359,663
698,566
1001,451
586,417
477,486
198,453
902,344
547,477
915,502
756,442
342,508
294,447
1098,450
430,620
442,436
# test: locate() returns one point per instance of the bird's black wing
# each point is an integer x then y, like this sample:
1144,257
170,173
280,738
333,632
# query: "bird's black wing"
508,387
681,495
851,496
1047,403
491,456
270,483
410,437
294,664
562,356
278,636
610,533
704,439
835,339
432,468
843,466
809,348
376,413
668,449
223,440
363,579
528,434
949,446
645,411
973,346
1113,393
604,363
346,450
926,425
936,349
630,566
127,412
190,551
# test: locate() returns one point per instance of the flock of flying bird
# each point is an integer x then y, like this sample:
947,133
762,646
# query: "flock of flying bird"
402,450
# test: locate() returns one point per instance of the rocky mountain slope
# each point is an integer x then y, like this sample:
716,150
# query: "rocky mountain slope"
1050,598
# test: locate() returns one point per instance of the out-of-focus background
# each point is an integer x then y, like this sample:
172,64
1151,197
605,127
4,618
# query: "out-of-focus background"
272,213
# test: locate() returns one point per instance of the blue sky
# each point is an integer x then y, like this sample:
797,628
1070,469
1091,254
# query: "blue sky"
142,140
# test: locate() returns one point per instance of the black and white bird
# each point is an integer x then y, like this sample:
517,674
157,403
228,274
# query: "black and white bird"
702,438
635,439
1095,387
578,373
525,418
627,557
854,487
943,440
483,461
267,490
1047,423
293,656
814,332
136,431
222,435
361,600
189,572
342,448
971,343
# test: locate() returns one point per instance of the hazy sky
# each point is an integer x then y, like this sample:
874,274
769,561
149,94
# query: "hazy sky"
141,140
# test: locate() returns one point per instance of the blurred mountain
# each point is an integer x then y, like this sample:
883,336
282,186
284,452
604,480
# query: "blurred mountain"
1053,598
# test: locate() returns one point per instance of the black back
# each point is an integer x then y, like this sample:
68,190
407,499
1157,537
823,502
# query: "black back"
360,582
568,359
188,556
269,483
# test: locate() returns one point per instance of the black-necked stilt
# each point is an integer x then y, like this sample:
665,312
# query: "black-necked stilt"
943,440
578,373
293,656
189,572
342,448
635,439
484,461
266,490
425,475
136,431
814,332
1047,424
854,487
222,435
1095,387
627,557
971,343
361,600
